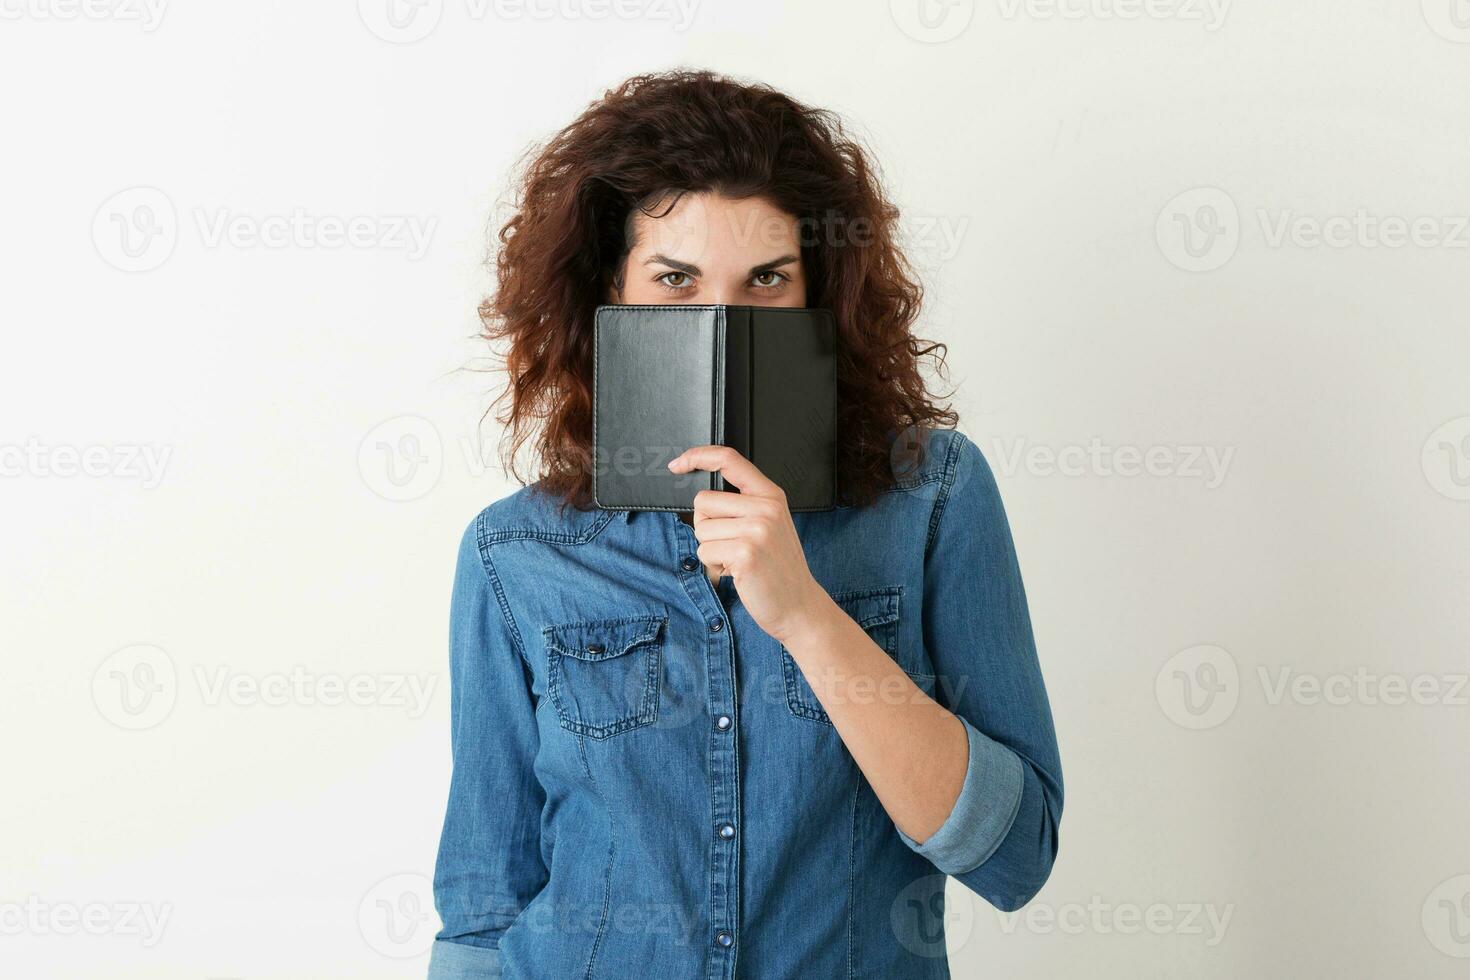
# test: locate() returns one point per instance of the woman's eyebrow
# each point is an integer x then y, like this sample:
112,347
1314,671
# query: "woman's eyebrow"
772,265
684,267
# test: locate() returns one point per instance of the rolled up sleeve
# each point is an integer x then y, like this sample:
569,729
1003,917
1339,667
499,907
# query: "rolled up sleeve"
457,961
984,812
1000,840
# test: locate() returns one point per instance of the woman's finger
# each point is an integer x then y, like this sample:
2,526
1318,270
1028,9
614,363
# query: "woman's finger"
738,471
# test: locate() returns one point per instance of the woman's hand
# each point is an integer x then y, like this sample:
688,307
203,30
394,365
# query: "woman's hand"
750,537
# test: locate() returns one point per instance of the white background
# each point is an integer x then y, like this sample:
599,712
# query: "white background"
1113,206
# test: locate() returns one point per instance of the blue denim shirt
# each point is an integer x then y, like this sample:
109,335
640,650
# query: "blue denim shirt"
646,786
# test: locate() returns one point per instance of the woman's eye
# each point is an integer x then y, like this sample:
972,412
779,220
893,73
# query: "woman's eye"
769,278
675,280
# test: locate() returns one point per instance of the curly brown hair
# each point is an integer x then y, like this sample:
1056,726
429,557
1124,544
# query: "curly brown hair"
683,131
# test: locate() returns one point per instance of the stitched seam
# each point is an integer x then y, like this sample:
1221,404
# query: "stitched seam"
483,546
554,537
612,847
951,464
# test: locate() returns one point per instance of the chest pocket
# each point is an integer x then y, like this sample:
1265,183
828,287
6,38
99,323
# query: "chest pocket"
603,674
876,611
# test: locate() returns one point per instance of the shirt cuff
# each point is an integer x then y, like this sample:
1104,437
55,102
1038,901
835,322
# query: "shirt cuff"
984,811
458,961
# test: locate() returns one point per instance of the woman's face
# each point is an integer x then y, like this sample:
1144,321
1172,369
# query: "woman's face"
714,249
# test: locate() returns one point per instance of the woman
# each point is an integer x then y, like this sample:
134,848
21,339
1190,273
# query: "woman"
742,741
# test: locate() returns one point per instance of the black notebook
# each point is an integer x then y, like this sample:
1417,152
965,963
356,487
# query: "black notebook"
760,379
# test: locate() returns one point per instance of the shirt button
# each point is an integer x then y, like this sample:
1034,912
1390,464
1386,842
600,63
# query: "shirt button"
716,625
723,723
727,831
724,939
689,564
595,648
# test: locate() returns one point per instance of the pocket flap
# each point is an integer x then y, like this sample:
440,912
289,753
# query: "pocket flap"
602,639
869,607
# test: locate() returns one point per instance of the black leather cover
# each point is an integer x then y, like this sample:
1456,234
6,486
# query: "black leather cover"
761,379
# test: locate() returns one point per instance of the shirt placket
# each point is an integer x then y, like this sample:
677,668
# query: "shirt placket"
723,752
